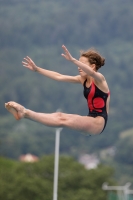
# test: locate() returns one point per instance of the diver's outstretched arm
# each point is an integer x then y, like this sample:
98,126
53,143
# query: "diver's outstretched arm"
28,63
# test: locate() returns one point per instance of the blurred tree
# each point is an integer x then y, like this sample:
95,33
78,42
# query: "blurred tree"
35,180
124,149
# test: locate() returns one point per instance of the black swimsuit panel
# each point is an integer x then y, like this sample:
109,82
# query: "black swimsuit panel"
96,100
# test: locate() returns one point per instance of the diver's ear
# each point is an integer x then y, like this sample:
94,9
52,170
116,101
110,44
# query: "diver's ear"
93,67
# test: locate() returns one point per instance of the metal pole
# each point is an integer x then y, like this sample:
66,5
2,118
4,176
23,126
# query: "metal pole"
126,189
128,192
118,189
56,164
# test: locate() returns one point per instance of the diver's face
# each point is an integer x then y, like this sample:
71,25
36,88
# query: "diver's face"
85,61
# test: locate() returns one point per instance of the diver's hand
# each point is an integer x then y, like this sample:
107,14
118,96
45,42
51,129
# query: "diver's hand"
67,54
28,63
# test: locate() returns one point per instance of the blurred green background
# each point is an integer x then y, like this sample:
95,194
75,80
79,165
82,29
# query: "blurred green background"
38,28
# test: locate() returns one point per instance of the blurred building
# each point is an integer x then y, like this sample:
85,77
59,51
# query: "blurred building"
28,158
89,161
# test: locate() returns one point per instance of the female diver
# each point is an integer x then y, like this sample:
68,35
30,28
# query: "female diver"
96,91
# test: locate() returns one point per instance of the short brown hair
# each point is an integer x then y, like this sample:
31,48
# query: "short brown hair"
93,57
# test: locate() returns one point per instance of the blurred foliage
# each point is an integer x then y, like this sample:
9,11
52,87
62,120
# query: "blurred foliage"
38,28
35,180
123,154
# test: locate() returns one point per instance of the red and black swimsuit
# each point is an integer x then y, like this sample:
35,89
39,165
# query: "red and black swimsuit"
96,100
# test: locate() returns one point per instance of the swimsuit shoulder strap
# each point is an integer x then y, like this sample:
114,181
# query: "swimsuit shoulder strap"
93,84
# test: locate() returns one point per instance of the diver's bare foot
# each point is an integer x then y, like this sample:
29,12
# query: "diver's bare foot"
15,109
12,110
